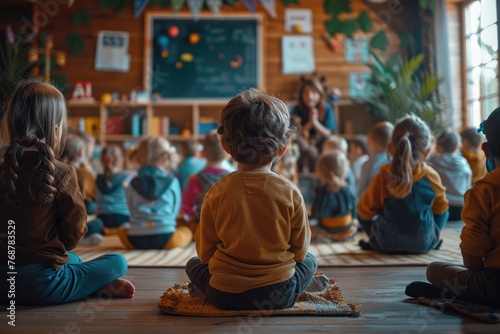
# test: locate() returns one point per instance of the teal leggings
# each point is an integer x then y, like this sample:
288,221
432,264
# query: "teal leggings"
38,284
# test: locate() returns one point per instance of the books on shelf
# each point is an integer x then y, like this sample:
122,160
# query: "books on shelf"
92,125
115,125
76,124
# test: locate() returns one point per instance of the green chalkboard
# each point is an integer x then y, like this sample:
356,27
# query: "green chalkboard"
211,57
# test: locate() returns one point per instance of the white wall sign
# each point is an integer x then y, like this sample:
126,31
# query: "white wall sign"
298,20
112,51
297,54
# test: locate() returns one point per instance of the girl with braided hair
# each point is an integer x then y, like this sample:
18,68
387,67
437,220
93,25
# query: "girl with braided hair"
42,204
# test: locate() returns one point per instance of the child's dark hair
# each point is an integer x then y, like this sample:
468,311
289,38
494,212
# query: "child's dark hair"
255,127
410,142
32,114
491,126
381,133
472,136
448,140
318,85
111,156
359,142
212,147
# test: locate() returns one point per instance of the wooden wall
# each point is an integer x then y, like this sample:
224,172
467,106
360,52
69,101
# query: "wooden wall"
81,67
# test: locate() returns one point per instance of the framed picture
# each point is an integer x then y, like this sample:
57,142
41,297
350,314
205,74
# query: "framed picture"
112,51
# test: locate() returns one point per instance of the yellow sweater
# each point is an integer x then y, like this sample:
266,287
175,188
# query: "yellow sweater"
481,215
253,229
477,162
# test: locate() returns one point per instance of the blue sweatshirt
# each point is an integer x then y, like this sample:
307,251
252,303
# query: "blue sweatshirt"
154,199
111,195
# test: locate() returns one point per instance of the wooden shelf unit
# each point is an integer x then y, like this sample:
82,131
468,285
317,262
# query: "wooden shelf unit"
171,108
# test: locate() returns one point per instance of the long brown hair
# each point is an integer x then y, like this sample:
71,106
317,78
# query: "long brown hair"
317,85
410,141
31,116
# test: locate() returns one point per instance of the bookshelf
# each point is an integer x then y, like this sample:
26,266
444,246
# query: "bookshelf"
177,120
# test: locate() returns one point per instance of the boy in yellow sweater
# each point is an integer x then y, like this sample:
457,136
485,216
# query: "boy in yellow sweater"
478,281
254,233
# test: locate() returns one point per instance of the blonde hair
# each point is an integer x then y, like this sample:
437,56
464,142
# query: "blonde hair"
255,127
155,151
332,168
380,133
212,147
334,142
411,140
111,157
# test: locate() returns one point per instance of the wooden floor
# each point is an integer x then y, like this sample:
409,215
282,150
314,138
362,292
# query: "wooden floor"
380,290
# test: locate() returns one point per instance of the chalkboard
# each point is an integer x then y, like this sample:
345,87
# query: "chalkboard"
211,57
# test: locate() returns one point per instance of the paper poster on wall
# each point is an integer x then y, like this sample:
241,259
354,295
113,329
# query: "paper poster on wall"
112,51
297,54
359,86
356,50
298,20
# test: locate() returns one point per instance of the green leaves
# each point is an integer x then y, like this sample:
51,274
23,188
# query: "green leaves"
82,17
365,22
428,4
116,5
335,7
75,43
286,3
399,88
379,41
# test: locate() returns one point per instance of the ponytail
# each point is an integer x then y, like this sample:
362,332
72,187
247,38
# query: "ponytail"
401,176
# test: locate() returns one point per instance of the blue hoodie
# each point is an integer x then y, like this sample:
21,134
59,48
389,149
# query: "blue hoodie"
154,199
111,195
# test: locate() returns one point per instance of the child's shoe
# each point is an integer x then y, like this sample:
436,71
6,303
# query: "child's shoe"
92,240
318,285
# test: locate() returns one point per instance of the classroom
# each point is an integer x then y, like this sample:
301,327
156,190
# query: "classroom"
249,166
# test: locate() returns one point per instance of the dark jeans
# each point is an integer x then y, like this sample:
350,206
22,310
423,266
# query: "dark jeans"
157,241
482,287
276,296
113,220
455,213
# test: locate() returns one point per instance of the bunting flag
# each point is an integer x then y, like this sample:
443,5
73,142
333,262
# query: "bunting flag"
270,7
177,5
250,4
214,6
139,6
195,7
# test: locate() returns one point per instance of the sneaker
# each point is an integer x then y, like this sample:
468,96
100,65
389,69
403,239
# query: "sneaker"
318,285
91,240
423,289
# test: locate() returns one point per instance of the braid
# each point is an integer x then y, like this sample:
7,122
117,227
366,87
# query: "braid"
10,169
43,178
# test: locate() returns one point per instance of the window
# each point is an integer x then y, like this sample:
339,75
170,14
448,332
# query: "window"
481,28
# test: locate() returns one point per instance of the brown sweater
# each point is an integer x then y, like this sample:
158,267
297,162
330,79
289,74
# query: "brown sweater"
44,232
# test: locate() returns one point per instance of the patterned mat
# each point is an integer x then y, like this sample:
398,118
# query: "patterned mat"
347,254
176,300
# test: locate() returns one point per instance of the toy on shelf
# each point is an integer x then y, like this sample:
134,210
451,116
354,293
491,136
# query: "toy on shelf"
82,92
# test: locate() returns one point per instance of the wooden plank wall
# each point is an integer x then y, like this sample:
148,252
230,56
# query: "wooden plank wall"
81,67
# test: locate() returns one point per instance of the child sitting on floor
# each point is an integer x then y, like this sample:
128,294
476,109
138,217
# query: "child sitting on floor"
112,207
334,204
199,184
405,207
154,200
471,150
191,163
41,202
336,142
478,280
453,169
358,155
379,137
254,234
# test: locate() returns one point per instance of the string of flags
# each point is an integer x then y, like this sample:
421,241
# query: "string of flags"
195,6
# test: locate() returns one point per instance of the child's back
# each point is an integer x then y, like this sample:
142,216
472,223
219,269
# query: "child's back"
471,151
453,169
405,206
190,164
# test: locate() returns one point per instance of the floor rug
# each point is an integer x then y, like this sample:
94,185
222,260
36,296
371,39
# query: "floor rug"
347,254
176,301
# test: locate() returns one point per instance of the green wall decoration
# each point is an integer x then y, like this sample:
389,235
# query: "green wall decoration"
161,3
286,3
82,17
117,5
75,43
379,41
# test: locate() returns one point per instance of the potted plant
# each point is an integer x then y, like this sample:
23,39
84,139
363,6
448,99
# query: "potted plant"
399,87
14,64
